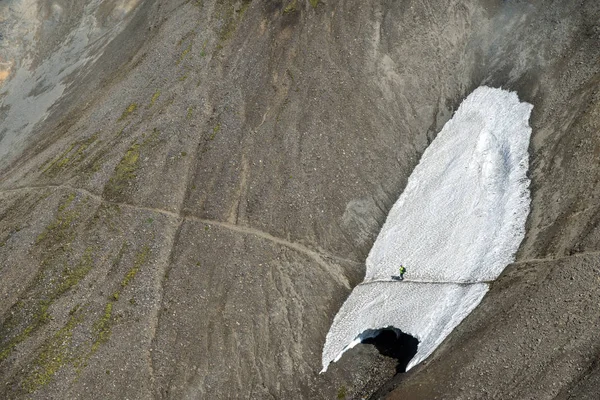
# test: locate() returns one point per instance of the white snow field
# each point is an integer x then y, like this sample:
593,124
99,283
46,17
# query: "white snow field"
458,223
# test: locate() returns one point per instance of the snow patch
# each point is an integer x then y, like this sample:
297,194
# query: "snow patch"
426,312
460,219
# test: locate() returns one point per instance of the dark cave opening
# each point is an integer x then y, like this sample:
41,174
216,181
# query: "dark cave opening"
393,343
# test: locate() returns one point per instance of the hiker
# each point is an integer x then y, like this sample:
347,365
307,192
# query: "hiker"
402,272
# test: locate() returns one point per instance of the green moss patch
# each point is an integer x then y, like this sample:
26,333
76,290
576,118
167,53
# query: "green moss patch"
27,316
71,157
60,229
124,173
72,275
58,273
103,327
140,259
73,344
291,7
155,97
216,129
54,354
126,170
184,54
128,111
231,18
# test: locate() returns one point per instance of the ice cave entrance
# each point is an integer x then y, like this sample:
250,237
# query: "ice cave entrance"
393,343
456,226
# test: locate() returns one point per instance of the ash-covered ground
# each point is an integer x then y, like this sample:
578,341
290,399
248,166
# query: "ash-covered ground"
189,190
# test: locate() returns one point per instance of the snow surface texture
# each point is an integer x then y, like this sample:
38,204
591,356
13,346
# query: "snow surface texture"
456,226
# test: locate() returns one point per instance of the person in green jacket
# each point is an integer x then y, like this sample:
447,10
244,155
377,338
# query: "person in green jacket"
402,272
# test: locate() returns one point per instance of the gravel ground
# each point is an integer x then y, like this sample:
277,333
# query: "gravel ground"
187,216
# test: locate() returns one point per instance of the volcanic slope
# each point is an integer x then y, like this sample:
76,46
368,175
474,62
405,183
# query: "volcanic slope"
192,209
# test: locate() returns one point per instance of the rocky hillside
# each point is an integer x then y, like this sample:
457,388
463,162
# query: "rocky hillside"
189,189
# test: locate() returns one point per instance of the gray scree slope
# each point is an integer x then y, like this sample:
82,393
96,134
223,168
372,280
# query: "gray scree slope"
194,208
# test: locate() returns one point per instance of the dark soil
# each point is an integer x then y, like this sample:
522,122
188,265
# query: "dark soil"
185,212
